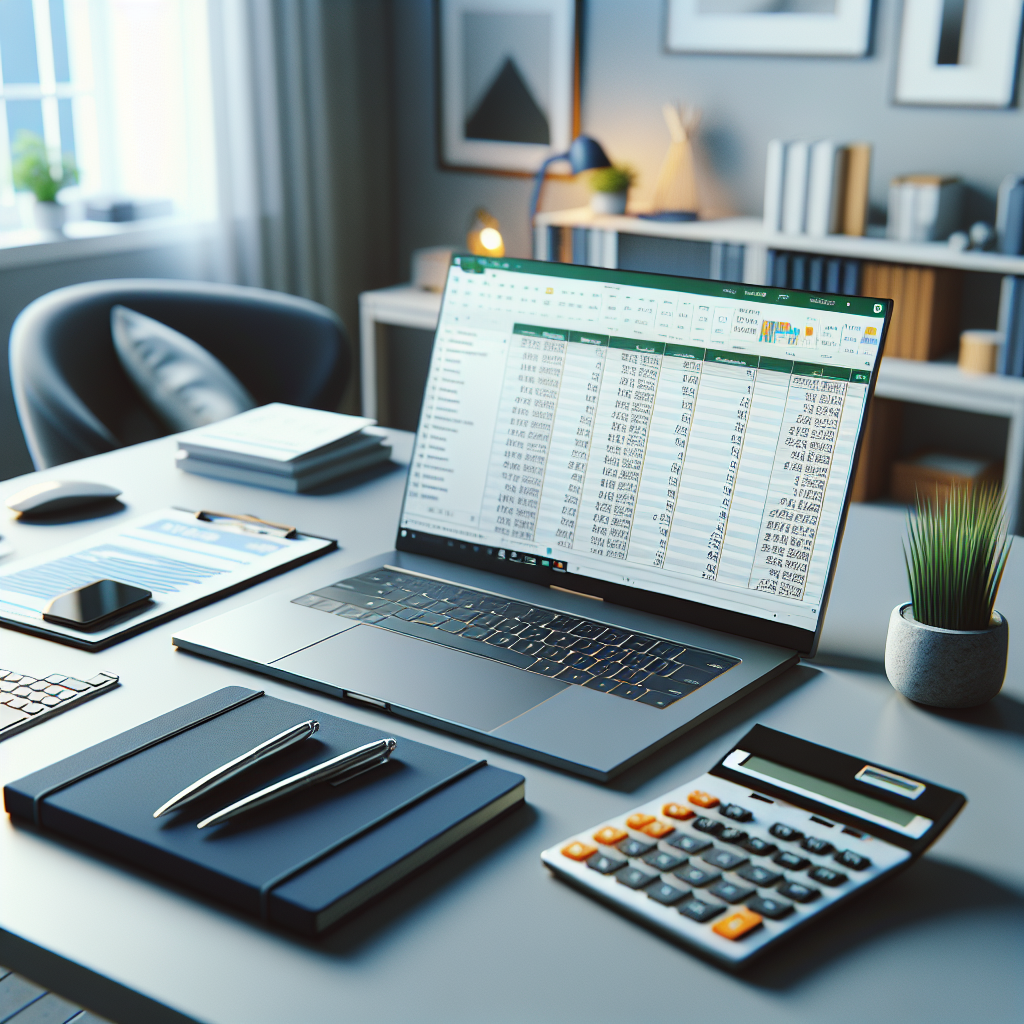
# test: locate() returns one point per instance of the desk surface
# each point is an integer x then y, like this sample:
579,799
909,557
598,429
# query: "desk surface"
487,934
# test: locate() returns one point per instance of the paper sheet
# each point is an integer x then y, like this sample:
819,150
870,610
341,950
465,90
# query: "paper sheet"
181,560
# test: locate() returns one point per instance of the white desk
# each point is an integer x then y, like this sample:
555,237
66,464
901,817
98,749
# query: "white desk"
486,934
402,306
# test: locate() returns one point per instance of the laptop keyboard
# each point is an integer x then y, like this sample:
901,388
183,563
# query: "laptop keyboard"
634,666
26,700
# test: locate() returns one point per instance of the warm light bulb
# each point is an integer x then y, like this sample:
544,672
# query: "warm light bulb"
490,239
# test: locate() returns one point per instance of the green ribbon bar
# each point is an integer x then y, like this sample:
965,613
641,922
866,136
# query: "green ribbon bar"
730,358
654,348
586,338
684,351
826,372
551,333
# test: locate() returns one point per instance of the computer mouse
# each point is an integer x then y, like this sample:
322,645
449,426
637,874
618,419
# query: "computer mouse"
59,496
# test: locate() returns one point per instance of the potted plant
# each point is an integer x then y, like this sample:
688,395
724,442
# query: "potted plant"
33,172
947,646
610,186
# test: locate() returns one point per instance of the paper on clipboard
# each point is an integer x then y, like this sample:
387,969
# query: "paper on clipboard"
184,562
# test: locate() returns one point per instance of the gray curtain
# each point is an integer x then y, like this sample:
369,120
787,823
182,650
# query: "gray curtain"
302,100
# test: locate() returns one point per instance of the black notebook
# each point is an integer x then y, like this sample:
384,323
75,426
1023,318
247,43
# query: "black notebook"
303,862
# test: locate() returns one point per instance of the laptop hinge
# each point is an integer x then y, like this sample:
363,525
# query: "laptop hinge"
371,702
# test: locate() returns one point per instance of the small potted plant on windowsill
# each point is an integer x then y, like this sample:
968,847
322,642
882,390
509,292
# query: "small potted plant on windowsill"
610,186
33,172
947,646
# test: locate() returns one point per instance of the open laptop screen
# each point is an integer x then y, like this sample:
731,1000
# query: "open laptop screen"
686,438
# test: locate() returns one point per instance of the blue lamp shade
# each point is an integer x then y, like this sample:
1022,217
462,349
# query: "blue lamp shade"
585,154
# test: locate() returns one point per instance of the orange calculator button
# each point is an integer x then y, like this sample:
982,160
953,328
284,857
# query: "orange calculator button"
638,821
579,851
657,829
610,835
702,799
677,811
738,924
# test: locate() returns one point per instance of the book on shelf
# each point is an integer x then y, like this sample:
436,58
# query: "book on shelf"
923,207
1011,326
825,182
774,176
855,198
794,188
1010,216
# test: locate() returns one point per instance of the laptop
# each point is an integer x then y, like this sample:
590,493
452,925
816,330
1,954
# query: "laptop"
623,511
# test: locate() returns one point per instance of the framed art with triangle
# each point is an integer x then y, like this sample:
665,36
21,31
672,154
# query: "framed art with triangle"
508,82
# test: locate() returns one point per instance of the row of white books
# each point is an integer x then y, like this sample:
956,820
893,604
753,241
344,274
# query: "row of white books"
283,447
816,188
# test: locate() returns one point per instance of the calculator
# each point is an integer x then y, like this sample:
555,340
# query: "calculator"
779,832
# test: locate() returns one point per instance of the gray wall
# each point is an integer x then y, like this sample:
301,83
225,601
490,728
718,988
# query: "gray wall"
627,76
20,285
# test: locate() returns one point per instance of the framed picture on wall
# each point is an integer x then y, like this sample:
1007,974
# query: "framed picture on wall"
955,53
801,28
508,82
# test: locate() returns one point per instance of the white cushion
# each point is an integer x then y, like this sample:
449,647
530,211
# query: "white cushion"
185,385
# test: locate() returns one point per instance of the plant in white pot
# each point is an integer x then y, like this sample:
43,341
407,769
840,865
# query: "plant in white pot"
610,186
947,646
33,172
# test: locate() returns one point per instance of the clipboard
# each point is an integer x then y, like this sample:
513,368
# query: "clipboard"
186,559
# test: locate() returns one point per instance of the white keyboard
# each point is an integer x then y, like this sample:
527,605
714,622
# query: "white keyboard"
26,700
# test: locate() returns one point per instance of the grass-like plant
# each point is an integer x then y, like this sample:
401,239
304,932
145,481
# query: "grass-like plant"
32,171
612,179
956,556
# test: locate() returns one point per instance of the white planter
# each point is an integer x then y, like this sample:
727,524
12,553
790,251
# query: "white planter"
49,216
608,202
945,668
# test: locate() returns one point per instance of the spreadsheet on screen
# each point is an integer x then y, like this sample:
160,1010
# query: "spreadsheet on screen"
691,438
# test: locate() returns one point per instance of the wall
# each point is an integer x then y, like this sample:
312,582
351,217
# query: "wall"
21,285
628,75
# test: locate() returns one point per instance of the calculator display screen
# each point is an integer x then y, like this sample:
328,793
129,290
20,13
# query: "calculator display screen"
831,790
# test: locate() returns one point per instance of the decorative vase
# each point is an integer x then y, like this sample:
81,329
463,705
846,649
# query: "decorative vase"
49,216
946,668
608,202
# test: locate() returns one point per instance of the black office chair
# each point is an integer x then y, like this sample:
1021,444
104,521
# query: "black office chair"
74,399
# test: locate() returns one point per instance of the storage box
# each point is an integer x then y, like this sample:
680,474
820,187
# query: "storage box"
933,475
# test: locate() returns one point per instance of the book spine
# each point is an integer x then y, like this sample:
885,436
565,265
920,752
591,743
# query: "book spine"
579,246
1011,237
794,190
799,272
820,188
1004,323
834,276
855,204
816,274
773,178
851,277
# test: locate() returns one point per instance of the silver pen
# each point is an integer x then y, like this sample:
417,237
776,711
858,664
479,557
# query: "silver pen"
338,769
282,741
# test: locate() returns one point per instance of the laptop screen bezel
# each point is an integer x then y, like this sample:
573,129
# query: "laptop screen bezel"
751,627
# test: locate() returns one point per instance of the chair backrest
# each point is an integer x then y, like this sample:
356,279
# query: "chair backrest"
74,399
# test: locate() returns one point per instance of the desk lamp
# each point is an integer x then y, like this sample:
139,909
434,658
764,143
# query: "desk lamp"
585,154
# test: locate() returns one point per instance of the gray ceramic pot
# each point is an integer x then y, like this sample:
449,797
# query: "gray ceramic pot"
946,668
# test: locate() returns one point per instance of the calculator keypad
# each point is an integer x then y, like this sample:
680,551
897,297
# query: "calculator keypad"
684,864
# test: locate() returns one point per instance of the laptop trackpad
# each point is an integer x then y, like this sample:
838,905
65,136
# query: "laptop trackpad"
422,676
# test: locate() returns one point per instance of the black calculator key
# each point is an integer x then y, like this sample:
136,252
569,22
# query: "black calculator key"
605,864
698,910
573,675
657,699
729,892
663,861
577,660
689,844
589,630
827,876
759,875
851,860
544,668
790,835
697,876
773,909
792,861
708,825
628,690
601,683
476,632
724,859
634,848
815,845
666,649
759,846
735,812
736,836
667,894
798,892
634,877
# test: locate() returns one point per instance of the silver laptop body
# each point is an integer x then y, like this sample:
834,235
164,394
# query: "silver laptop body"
634,485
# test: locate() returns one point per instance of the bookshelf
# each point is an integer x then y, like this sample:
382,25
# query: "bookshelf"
985,411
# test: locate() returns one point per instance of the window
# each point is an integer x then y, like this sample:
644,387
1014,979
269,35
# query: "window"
123,86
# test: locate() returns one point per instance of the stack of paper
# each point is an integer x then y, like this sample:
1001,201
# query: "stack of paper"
283,447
